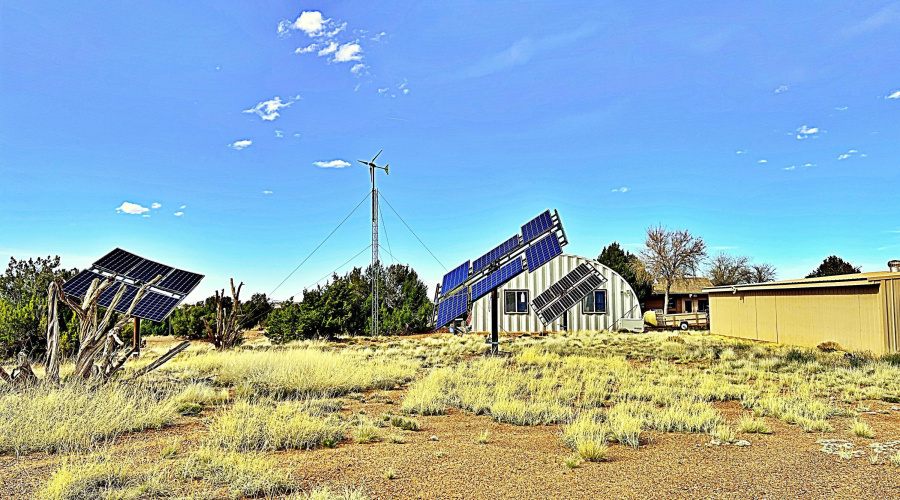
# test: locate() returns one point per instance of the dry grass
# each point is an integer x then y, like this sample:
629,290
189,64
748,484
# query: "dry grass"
268,425
100,477
74,417
862,429
305,371
243,474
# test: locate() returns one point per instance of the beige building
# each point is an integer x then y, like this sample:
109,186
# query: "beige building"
861,312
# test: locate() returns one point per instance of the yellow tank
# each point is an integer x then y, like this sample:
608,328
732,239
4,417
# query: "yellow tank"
650,318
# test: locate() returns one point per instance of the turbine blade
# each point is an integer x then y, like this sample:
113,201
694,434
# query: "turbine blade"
376,156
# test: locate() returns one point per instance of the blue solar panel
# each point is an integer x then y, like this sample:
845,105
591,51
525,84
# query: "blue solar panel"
451,308
537,226
501,250
541,252
78,286
147,270
455,277
180,281
497,278
124,303
118,261
154,306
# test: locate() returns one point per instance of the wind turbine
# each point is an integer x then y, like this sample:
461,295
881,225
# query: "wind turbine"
375,260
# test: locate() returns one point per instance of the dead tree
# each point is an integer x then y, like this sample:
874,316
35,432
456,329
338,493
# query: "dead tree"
228,323
101,354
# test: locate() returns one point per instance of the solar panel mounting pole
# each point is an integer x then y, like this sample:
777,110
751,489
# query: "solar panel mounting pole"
495,334
136,337
375,259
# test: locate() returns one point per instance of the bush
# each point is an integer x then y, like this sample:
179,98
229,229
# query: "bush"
267,426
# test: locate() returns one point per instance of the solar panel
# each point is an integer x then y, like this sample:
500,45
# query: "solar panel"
542,252
455,277
180,281
118,261
124,303
147,270
568,291
451,308
79,285
154,306
497,278
557,289
572,297
537,226
501,250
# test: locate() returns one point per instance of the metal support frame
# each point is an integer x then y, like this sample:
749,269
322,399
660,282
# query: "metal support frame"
136,337
375,258
495,333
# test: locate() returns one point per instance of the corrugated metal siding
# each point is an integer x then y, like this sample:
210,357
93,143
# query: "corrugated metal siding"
621,301
851,316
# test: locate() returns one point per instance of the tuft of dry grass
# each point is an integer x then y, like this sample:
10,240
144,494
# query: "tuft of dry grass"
483,437
244,474
592,451
100,476
81,416
751,425
266,426
862,429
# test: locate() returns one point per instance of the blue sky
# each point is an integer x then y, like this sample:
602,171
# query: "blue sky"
620,116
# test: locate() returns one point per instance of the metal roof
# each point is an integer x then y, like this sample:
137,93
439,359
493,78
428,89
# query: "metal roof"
858,279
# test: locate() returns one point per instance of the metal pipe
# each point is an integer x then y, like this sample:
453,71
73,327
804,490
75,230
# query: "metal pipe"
137,337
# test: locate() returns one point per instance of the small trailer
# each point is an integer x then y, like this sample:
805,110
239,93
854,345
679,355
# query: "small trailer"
681,321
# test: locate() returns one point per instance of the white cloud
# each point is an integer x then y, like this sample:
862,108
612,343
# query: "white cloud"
310,22
781,89
357,68
267,192
382,91
307,49
850,153
895,95
348,52
763,161
183,207
842,108
178,214
405,91
331,164
145,215
155,206
131,208
622,189
329,49
809,165
792,167
740,152
279,133
377,37
239,145
268,110
297,135
805,132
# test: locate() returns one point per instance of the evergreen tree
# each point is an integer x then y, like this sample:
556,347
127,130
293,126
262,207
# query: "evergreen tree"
623,262
833,266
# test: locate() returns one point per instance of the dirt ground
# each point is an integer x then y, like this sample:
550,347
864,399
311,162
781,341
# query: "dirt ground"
527,462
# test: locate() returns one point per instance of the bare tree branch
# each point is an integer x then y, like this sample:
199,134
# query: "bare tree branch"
672,256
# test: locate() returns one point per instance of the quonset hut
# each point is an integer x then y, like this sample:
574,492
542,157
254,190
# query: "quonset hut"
600,310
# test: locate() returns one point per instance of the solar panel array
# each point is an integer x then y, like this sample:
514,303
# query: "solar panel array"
537,226
542,252
497,278
160,298
501,250
451,308
568,291
455,278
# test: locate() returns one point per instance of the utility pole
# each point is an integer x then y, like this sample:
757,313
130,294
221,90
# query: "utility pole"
375,259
